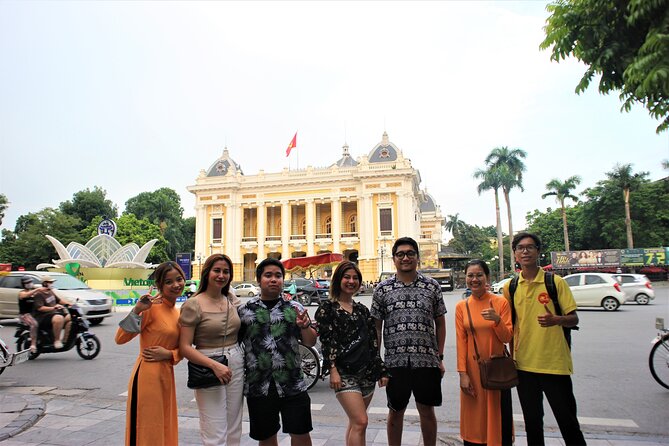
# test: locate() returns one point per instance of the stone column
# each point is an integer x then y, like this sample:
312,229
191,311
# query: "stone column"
310,213
262,220
336,224
285,229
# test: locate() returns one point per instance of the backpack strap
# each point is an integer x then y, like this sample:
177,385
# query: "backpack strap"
512,290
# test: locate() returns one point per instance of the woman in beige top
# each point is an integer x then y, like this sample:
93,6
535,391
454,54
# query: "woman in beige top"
209,327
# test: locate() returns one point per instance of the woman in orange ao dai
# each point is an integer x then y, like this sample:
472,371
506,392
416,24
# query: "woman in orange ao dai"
485,415
151,416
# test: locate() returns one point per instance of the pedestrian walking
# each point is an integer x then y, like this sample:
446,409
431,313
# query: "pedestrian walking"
151,414
272,328
482,327
541,349
409,310
209,328
350,350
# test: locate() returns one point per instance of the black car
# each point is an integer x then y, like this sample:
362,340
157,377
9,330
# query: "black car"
309,291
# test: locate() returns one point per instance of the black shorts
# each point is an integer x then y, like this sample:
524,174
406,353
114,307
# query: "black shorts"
264,414
423,382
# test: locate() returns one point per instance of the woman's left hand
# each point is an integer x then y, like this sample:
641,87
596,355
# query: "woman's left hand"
383,381
466,385
303,320
335,379
156,353
489,314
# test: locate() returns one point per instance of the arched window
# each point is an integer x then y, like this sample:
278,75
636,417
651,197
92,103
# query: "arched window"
328,225
303,226
353,223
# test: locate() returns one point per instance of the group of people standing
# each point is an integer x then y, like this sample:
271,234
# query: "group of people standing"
261,337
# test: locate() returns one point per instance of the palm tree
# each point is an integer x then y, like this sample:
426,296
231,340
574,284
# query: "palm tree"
491,181
454,225
511,176
622,176
562,191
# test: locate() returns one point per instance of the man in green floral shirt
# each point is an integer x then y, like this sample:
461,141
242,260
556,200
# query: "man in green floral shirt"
270,333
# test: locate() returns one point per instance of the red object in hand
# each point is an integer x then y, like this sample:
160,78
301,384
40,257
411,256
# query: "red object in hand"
543,298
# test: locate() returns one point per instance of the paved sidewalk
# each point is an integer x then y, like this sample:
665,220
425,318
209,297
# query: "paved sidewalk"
49,416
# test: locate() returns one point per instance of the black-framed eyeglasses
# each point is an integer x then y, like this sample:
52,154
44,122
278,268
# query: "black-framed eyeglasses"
409,254
527,248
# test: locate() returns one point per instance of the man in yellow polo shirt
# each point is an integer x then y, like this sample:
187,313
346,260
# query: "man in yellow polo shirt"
542,355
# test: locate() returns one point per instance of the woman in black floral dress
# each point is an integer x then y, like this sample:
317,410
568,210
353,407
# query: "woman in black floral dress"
350,349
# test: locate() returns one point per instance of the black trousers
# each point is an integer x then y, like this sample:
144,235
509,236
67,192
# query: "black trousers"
560,395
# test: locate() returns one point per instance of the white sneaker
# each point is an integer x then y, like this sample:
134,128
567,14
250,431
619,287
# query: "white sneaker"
58,344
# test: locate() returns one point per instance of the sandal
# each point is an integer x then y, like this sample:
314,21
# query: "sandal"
33,349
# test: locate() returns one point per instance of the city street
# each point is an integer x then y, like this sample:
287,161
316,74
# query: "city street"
613,386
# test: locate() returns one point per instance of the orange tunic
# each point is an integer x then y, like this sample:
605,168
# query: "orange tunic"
481,416
156,403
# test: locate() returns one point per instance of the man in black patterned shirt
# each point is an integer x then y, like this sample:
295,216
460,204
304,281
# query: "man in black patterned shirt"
409,310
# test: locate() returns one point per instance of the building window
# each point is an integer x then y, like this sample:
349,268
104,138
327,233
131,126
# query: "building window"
328,225
386,221
353,223
217,229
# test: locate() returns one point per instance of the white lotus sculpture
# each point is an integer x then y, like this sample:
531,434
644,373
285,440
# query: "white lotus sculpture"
102,251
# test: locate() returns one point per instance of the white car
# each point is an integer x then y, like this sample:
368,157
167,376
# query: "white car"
637,287
596,290
246,290
498,287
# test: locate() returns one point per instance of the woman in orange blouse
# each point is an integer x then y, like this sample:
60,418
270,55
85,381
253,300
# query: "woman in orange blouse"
485,415
151,416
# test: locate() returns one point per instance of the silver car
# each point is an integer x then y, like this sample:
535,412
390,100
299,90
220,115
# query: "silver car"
93,305
637,287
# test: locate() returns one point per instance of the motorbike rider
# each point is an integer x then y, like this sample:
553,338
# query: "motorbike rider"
26,296
50,311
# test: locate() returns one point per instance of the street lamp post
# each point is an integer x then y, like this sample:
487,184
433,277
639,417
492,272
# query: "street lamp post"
382,253
199,262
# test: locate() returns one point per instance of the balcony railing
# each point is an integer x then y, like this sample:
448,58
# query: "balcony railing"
298,237
273,238
323,236
249,239
349,235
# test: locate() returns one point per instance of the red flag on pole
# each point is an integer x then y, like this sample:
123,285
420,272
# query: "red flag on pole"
292,144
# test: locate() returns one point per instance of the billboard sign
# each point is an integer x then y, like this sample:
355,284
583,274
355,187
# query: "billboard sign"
590,258
184,261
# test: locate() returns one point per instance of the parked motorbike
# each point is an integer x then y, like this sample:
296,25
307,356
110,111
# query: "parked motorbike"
87,344
658,360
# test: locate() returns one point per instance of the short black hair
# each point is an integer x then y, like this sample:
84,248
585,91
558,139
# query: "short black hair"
267,262
406,241
484,266
521,235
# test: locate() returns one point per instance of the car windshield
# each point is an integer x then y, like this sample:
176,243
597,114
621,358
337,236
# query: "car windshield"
66,282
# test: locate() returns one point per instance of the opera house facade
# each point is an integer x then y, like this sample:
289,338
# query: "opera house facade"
356,207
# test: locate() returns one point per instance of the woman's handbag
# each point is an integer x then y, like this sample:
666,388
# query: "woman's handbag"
497,372
356,356
201,377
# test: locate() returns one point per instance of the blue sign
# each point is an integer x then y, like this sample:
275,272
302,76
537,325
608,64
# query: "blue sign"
184,261
107,226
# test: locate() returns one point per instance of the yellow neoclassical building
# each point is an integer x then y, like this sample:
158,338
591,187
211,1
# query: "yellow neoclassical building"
356,207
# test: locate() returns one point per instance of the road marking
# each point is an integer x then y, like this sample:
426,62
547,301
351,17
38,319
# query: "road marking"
125,394
317,406
612,422
384,411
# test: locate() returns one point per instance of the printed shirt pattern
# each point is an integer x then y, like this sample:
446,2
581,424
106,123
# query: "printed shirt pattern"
408,313
271,348
337,329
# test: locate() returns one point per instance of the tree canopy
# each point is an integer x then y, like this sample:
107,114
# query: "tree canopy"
88,204
625,42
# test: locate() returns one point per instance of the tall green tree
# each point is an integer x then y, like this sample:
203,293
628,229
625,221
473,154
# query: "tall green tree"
509,163
625,43
490,180
88,204
562,191
163,208
4,204
622,177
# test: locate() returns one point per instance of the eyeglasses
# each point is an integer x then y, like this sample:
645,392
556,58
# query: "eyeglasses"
407,254
526,248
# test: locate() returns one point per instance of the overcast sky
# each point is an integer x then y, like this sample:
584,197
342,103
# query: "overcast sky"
133,96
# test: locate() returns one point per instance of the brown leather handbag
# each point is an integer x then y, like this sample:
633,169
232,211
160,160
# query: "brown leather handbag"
497,372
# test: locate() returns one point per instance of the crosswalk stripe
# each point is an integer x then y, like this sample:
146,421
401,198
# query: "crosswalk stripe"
615,422
384,411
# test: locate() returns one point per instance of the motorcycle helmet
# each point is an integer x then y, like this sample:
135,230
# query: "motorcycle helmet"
26,282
